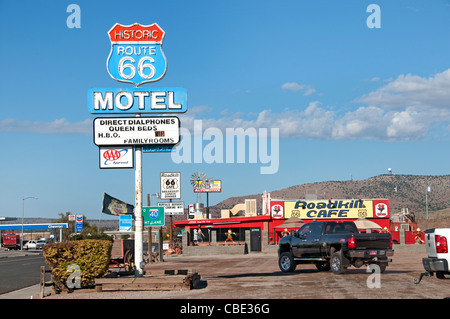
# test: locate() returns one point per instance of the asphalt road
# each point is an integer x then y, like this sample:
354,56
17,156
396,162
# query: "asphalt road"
17,272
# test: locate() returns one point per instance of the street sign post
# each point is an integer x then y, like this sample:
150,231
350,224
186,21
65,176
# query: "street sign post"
170,185
173,208
153,216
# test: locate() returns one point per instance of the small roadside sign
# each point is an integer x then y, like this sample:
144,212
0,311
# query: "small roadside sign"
210,187
153,216
125,223
170,185
173,208
121,157
79,223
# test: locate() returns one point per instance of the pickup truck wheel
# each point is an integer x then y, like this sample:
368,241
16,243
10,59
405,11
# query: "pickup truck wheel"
440,275
382,267
286,262
336,263
323,266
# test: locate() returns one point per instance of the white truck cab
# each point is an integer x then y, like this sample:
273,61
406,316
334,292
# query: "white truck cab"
437,242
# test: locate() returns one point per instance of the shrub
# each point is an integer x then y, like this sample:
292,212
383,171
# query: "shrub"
91,256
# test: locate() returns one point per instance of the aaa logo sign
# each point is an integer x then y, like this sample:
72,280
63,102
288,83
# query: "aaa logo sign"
136,54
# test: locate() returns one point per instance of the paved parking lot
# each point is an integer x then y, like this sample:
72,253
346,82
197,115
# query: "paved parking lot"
257,276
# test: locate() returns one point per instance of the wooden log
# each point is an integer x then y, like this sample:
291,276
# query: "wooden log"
155,282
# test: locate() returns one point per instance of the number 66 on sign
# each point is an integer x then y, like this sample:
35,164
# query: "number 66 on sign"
136,53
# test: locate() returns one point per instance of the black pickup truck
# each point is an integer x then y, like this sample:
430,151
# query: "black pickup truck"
334,245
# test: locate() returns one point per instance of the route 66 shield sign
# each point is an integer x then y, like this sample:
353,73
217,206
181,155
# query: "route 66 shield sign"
136,53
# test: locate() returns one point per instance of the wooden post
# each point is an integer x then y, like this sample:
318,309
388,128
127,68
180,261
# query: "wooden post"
44,283
42,280
161,250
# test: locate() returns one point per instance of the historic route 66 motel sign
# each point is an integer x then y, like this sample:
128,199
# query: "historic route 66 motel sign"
136,53
136,57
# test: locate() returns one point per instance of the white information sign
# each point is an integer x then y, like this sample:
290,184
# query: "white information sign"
170,185
174,208
114,131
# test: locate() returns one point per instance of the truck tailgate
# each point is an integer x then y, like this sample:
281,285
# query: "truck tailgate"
373,241
430,243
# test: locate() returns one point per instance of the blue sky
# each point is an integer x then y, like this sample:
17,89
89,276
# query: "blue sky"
348,100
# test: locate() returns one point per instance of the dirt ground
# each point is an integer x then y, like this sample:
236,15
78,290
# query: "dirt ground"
257,276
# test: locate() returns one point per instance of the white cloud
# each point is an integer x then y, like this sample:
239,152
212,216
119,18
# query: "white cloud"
365,122
293,86
313,122
407,108
412,90
309,90
411,106
407,124
375,123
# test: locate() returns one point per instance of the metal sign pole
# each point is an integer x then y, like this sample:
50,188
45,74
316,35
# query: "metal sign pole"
139,227
149,250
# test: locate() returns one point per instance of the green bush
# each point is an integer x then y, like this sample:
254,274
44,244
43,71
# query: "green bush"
91,256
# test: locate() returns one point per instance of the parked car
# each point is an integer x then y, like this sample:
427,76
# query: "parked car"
31,244
40,243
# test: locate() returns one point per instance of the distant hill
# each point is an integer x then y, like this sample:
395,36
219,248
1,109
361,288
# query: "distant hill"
403,191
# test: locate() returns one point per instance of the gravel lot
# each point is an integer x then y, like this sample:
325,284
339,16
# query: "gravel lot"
257,276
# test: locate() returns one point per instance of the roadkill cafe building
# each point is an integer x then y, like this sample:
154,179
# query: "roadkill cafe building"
278,217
